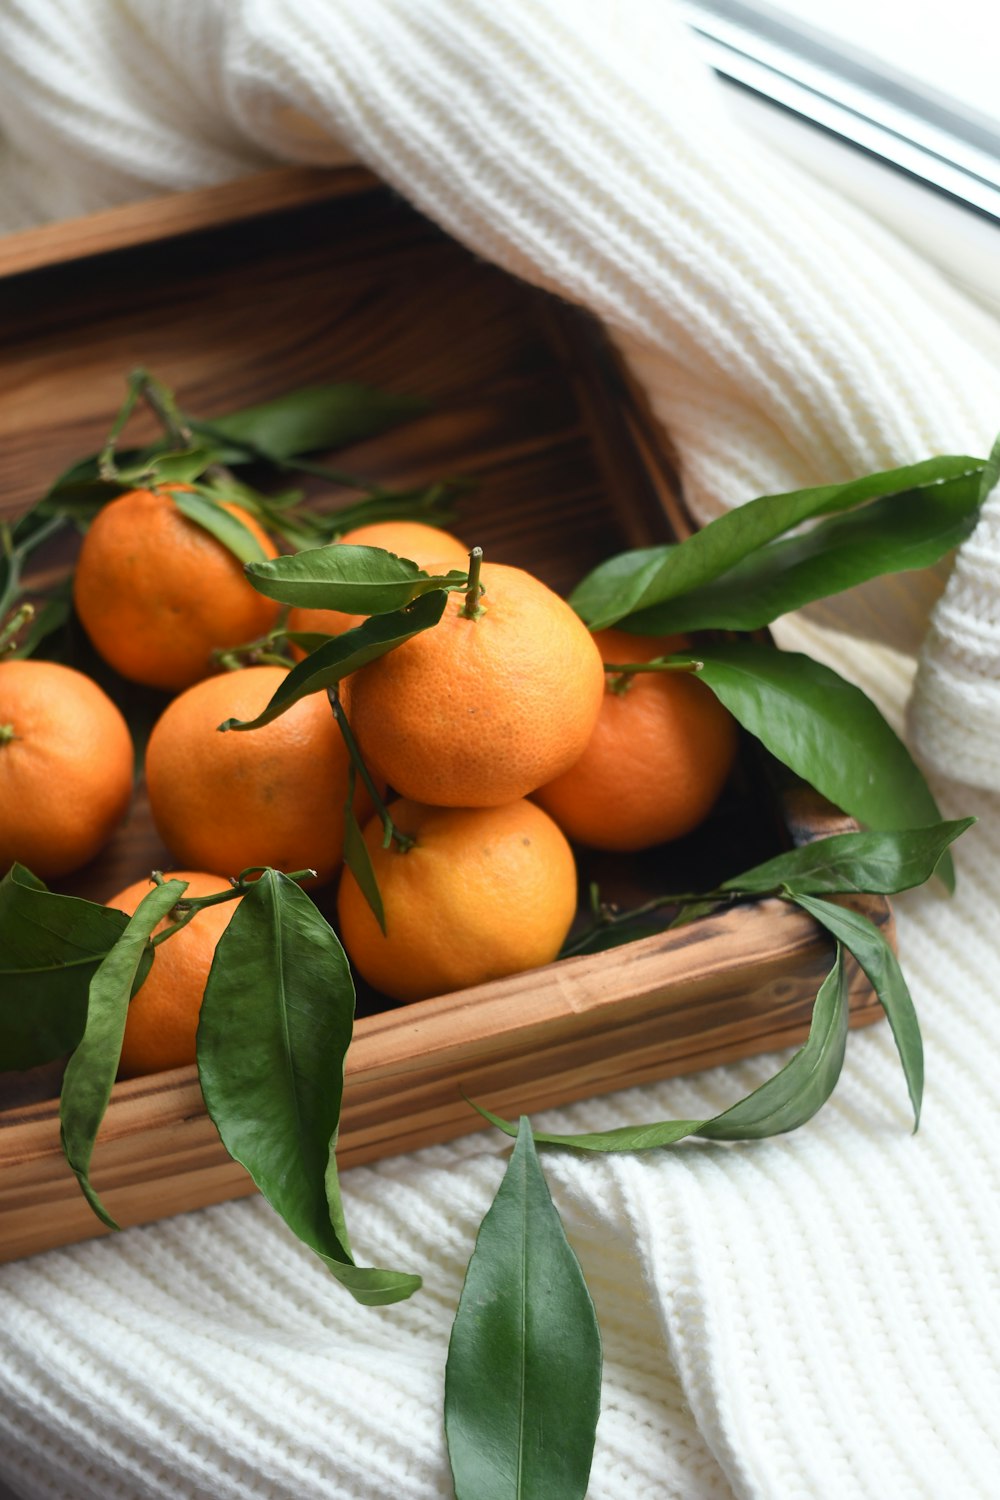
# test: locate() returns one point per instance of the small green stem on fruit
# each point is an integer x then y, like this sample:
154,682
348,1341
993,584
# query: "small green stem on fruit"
7,734
403,840
621,674
12,628
472,609
189,906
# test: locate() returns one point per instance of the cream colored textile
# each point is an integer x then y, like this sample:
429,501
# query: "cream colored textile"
814,1316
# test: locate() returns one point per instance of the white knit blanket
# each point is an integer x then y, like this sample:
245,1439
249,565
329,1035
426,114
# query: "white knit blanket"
813,1316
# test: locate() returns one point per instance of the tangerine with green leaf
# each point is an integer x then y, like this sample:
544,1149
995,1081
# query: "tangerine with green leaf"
162,1021
498,698
481,893
659,755
66,767
270,796
427,546
157,593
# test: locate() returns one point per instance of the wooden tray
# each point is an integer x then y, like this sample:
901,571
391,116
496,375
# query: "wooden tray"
295,277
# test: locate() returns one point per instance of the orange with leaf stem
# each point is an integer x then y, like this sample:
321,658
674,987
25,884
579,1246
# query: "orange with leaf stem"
163,1015
270,796
157,593
492,702
478,894
657,760
427,546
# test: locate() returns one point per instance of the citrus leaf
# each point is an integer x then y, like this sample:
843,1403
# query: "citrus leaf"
274,1030
310,419
90,1072
827,730
862,938
523,1379
783,1103
991,473
357,580
891,535
342,654
50,948
877,863
638,580
222,524
172,466
359,861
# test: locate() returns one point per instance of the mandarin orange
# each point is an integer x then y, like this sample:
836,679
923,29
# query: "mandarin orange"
163,1015
270,796
479,711
66,767
157,594
482,893
657,760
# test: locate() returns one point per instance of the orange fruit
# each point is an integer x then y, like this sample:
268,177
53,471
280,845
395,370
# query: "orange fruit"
163,1016
271,796
157,593
658,758
66,765
482,893
478,712
425,545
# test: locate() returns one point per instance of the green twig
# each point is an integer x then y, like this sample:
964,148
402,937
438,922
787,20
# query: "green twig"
188,907
403,840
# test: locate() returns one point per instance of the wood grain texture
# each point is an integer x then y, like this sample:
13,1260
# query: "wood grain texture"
567,469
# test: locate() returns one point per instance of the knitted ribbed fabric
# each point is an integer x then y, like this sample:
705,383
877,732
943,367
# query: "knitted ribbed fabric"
813,1316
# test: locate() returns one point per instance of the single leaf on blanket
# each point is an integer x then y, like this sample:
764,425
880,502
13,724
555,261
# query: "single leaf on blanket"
523,1380
891,535
273,1034
50,949
636,581
206,512
862,938
90,1072
340,655
876,863
308,420
783,1103
827,730
356,580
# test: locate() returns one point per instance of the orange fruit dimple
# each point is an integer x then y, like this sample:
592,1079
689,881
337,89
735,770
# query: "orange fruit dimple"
484,892
271,796
157,594
478,712
66,764
657,760
163,1016
425,545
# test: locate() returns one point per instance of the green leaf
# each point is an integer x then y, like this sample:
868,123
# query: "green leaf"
783,1103
862,938
357,580
50,949
314,418
638,580
343,654
827,730
90,1072
523,1380
172,466
878,863
274,1030
222,524
891,535
359,861
991,473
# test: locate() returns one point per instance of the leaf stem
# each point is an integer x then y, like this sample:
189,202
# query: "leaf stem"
623,672
11,628
472,609
607,915
188,907
403,840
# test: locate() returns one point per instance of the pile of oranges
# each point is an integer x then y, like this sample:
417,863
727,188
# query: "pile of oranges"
497,738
